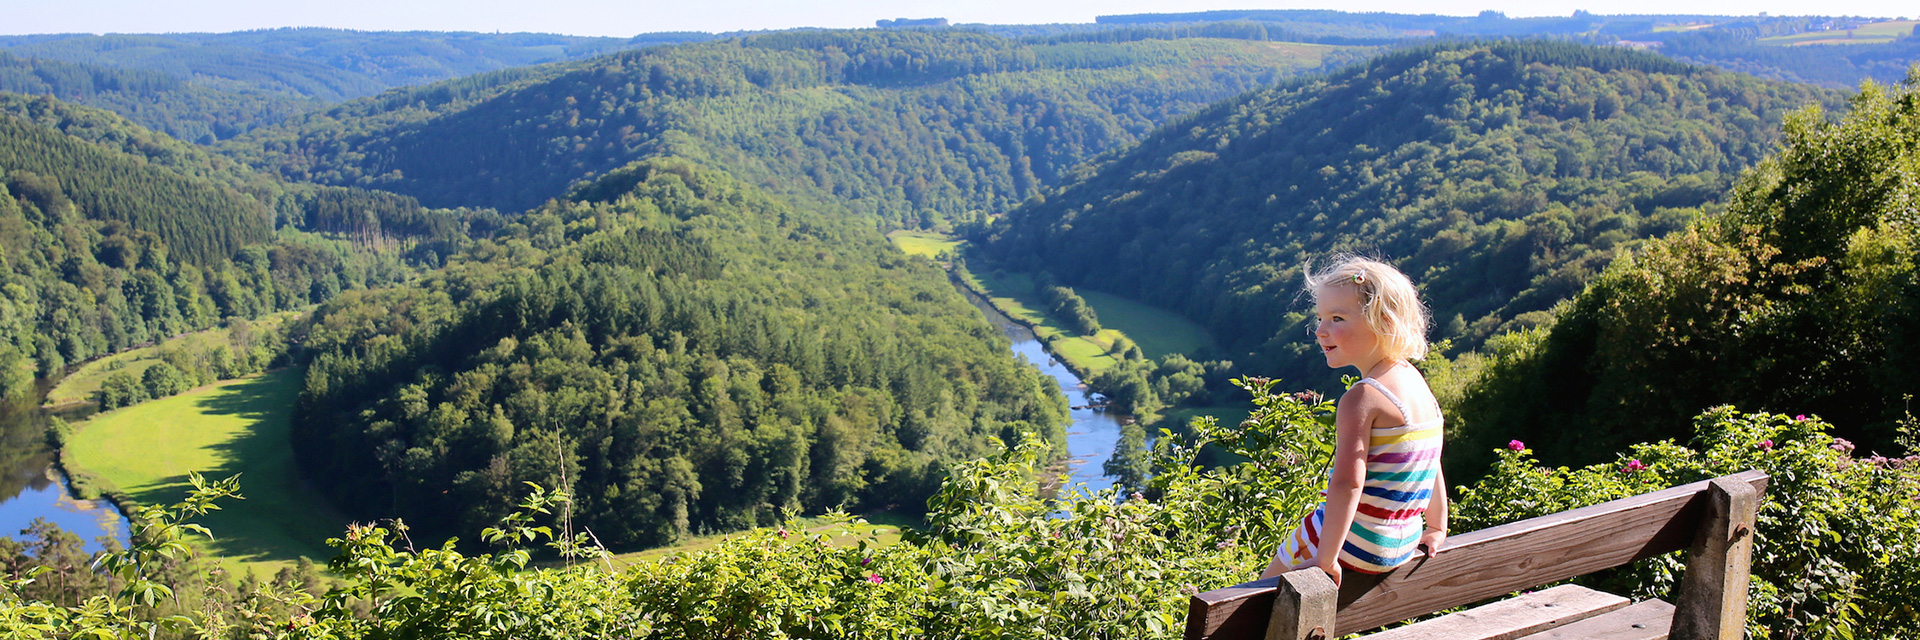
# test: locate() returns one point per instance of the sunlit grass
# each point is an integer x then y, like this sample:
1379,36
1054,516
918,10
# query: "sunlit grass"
234,427
1875,33
923,243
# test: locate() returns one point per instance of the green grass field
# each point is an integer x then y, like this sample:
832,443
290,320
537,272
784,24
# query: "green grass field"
1157,331
80,385
1875,33
234,427
1012,294
923,243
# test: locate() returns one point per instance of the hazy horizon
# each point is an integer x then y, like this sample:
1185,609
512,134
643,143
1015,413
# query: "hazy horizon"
604,19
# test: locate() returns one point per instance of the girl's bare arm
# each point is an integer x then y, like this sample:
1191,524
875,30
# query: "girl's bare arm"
1436,515
1353,423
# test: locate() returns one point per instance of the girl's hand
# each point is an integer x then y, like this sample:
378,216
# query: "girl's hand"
1432,539
1332,569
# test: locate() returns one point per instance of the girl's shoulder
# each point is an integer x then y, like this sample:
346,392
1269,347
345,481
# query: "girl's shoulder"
1401,395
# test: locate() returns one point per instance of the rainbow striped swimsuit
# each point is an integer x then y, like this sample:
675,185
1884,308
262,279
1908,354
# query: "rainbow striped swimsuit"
1401,464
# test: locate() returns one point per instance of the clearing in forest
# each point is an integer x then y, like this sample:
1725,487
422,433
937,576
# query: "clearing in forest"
233,427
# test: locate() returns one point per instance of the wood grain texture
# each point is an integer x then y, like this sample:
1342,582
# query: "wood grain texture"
1649,620
1484,564
1303,606
1713,593
1513,617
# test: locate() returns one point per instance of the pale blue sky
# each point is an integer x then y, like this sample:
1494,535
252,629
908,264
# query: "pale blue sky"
612,18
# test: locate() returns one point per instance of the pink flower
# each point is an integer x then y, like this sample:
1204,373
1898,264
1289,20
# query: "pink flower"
1842,445
1515,445
875,578
1766,445
1635,465
782,532
1800,418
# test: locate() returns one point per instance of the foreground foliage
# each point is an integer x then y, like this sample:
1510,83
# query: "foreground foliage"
1832,553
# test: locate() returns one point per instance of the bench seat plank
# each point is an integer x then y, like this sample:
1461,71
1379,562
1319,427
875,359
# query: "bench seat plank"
1484,564
1513,617
1649,620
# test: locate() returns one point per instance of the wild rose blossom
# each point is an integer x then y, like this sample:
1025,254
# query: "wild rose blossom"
1515,445
1635,466
875,578
1766,445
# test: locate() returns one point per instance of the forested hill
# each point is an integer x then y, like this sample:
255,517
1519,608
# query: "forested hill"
204,87
113,235
684,351
1801,298
199,221
163,102
1500,176
911,126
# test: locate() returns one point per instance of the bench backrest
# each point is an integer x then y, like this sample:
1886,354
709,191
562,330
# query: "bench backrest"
1492,562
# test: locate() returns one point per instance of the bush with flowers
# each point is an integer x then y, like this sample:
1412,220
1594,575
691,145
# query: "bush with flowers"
1837,546
1834,551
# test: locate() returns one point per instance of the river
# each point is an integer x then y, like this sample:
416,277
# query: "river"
1094,432
31,487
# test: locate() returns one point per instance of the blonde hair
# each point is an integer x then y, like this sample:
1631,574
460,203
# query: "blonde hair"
1387,299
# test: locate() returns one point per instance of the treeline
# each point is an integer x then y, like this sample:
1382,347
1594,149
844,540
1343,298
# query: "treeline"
154,99
242,349
683,352
1500,176
114,237
206,87
1232,30
1063,303
1800,298
1832,66
912,127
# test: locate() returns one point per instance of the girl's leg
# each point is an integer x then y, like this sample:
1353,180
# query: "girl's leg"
1301,548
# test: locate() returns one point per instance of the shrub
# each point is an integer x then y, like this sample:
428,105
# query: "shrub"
1834,549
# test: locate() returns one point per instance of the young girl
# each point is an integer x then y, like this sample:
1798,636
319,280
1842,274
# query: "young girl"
1385,496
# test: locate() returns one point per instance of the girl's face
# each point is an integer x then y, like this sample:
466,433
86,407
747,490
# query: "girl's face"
1344,336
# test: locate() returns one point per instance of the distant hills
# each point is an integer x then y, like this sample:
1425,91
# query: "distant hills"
913,127
1500,175
204,87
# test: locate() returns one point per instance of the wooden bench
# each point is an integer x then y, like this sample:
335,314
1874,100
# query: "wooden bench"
1712,519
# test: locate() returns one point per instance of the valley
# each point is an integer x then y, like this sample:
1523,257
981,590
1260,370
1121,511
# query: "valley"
570,336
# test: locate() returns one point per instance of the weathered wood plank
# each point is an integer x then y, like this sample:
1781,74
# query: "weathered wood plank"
1303,606
1483,564
1713,593
1649,620
1513,617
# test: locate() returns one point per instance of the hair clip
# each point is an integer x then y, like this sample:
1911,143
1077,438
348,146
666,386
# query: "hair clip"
1358,278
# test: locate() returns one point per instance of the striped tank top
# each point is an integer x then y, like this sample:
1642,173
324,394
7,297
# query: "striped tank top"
1402,462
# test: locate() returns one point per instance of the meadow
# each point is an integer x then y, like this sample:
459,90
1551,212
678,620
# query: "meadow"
1874,33
233,427
924,243
1157,331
